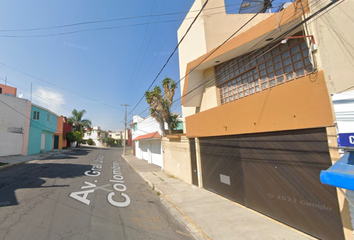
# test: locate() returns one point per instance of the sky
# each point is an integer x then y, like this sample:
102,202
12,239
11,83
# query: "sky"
73,58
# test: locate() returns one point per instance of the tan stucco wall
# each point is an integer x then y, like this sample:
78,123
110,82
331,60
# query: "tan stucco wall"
219,26
191,48
176,158
334,35
209,98
212,28
301,103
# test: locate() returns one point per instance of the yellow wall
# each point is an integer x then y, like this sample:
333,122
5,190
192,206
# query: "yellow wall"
301,103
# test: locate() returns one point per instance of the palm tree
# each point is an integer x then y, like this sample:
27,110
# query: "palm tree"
161,105
77,121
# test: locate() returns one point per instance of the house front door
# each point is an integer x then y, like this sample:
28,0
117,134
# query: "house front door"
43,141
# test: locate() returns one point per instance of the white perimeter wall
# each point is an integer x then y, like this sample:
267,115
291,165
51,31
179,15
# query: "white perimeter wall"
13,112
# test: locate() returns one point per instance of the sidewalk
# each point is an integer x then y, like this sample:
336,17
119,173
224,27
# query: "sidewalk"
207,215
18,159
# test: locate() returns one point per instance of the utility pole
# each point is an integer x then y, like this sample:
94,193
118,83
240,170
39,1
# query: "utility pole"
5,80
125,126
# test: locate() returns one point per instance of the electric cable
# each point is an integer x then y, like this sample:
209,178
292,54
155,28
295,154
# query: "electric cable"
190,26
141,47
107,20
214,50
284,34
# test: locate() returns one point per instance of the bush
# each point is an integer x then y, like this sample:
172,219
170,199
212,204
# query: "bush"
90,141
70,136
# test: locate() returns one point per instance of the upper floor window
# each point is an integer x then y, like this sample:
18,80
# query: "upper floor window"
36,115
246,75
48,117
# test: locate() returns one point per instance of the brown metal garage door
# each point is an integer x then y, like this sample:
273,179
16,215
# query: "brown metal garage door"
276,174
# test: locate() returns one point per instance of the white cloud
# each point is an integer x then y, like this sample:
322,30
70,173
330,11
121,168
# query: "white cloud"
50,99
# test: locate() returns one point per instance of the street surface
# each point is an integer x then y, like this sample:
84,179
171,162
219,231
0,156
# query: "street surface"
91,193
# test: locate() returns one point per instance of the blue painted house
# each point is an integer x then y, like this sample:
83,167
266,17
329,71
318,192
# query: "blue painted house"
43,126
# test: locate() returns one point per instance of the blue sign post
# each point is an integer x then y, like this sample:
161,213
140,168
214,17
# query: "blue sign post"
346,140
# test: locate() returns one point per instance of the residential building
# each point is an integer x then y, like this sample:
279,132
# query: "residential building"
97,135
42,131
62,128
14,125
7,90
146,133
258,112
119,137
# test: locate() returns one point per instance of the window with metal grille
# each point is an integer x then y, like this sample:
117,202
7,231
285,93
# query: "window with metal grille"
246,75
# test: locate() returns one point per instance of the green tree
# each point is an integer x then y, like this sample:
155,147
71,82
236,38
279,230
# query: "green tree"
77,121
74,137
70,136
109,141
161,105
78,138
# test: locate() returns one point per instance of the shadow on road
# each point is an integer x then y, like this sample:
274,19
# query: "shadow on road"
29,176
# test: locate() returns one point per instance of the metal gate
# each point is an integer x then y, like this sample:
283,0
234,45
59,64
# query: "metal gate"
193,162
276,174
144,150
156,157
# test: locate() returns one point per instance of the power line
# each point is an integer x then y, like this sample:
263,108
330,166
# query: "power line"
60,105
152,63
141,47
258,50
163,67
107,20
278,38
26,116
68,90
214,50
146,49
93,29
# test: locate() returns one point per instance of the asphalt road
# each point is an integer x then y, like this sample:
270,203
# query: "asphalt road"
91,193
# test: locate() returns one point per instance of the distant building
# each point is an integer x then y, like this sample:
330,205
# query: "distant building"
97,135
7,90
43,127
14,125
62,128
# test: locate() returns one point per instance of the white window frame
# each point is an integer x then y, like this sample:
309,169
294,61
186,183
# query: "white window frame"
36,115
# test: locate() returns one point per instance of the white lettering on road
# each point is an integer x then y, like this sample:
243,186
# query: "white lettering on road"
118,185
83,198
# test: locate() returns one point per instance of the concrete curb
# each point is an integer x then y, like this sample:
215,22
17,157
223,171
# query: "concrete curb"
182,217
11,165
38,157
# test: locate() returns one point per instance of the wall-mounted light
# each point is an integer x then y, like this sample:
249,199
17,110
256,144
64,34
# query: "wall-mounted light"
313,42
284,41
